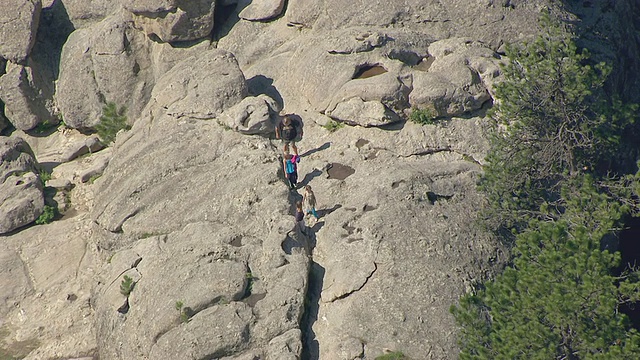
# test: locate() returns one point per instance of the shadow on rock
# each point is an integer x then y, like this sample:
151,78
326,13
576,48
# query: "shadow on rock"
311,235
310,176
261,84
325,212
225,17
324,146
310,345
290,244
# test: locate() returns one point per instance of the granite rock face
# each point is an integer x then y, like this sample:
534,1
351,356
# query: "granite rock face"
173,20
21,197
190,204
26,105
18,25
84,13
252,115
262,10
99,64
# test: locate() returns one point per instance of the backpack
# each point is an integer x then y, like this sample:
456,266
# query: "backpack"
289,132
290,167
291,164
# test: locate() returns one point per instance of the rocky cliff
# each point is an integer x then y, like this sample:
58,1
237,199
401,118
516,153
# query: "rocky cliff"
177,241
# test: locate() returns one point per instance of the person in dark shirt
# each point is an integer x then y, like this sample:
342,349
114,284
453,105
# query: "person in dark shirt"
289,130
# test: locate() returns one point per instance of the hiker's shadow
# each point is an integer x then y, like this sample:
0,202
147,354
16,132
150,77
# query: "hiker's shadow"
325,212
311,235
310,176
320,148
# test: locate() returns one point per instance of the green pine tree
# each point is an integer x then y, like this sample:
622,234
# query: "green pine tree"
553,121
560,299
111,121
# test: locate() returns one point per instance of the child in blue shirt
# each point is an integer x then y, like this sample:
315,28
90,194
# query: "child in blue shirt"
291,169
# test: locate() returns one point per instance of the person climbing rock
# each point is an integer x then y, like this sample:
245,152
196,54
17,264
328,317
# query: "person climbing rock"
289,130
299,226
290,167
309,201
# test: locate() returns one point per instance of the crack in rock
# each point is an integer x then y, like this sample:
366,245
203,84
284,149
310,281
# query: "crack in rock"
375,268
428,152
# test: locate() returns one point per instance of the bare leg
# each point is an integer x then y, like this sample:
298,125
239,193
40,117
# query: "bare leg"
295,148
286,148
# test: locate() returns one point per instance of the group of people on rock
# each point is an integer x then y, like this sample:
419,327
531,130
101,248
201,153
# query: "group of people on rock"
290,130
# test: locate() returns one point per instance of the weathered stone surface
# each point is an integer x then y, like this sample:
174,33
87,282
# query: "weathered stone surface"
200,86
217,265
422,173
394,246
173,20
150,6
262,10
84,13
252,115
363,113
356,42
254,221
286,346
319,77
309,74
103,63
26,105
210,333
59,266
165,56
454,83
208,278
79,148
18,26
99,163
14,279
61,145
21,198
475,19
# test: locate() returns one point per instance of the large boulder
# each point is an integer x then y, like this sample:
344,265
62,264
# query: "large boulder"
173,20
21,196
373,98
459,79
26,103
262,10
84,13
106,62
356,111
201,86
253,116
18,25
